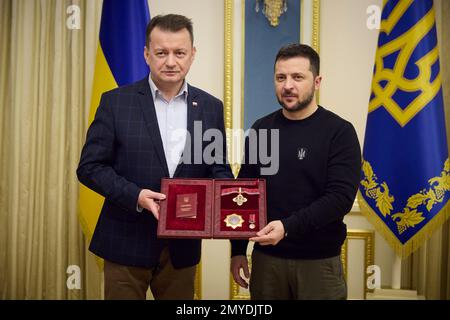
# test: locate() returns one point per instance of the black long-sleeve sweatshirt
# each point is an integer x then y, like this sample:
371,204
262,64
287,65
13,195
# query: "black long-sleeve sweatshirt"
315,185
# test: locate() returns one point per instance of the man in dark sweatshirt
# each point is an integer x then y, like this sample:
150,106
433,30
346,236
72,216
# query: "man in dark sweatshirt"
297,254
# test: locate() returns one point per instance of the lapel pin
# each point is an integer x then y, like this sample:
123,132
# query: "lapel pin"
194,103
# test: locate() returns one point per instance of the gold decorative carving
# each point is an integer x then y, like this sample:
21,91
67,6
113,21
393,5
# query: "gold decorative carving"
198,282
369,248
316,26
228,73
272,9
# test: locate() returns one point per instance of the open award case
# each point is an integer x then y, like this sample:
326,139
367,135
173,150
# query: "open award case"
212,208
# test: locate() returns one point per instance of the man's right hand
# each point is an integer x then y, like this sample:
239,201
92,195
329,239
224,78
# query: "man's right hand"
238,263
149,199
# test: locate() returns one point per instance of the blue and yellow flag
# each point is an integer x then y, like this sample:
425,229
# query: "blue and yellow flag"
119,61
406,171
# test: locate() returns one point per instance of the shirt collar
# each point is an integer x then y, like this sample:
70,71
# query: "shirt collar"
156,92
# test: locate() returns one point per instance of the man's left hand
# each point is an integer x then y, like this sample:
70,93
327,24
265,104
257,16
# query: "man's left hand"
270,234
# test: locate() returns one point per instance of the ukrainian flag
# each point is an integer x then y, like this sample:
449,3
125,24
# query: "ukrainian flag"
119,61
405,175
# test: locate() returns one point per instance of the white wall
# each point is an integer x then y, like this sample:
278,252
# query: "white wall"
347,50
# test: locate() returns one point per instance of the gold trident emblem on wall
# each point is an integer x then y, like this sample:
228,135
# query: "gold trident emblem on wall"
404,45
272,9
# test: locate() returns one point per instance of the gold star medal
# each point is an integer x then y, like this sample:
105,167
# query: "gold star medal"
234,221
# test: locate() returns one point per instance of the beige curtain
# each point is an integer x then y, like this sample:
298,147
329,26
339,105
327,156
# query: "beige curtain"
428,269
45,85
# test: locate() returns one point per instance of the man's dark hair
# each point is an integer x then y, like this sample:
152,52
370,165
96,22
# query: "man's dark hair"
169,22
300,50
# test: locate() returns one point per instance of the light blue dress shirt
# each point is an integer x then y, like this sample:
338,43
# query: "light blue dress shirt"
172,122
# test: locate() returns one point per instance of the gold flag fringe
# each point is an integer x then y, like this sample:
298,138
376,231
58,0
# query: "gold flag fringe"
403,250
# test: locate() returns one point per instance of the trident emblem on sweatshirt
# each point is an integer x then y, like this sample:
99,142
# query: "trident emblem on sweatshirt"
301,153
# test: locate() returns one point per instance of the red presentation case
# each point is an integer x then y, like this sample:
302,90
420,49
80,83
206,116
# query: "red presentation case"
212,208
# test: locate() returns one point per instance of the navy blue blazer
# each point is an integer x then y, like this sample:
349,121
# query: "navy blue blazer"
123,154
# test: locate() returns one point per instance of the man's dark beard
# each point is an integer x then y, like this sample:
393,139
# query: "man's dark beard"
300,105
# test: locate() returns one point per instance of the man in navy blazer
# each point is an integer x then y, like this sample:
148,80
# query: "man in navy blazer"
141,133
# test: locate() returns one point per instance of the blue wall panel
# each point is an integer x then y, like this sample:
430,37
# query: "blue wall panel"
262,42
